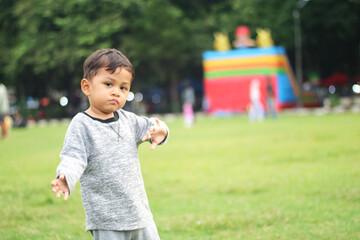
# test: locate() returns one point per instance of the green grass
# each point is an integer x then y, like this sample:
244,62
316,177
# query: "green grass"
297,177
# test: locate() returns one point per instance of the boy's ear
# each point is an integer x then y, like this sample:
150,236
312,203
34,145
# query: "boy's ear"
85,86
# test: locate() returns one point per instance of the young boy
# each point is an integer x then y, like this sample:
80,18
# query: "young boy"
100,150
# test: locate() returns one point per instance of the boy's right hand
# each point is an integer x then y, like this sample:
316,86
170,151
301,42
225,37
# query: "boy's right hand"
60,186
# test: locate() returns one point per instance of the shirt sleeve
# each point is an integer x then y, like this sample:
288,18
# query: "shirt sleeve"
74,154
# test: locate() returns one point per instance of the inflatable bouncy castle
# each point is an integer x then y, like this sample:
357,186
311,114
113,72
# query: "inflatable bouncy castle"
227,77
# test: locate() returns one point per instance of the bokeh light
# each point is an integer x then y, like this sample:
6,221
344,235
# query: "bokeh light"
332,89
139,97
156,99
130,96
64,101
356,88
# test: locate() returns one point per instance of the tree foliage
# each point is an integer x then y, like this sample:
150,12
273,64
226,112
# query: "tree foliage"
44,42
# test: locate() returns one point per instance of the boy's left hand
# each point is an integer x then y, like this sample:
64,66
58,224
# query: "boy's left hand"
156,134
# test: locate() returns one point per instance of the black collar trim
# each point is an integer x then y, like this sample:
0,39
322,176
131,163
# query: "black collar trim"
109,120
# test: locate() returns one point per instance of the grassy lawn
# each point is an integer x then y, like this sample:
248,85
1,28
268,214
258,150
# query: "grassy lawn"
297,177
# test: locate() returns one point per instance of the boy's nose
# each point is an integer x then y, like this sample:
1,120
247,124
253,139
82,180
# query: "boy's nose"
115,93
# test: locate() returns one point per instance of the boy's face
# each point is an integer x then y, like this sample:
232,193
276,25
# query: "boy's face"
107,92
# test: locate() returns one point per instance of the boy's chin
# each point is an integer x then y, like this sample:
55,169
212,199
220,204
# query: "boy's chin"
112,109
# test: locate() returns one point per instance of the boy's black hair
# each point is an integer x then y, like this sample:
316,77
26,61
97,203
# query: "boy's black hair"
110,59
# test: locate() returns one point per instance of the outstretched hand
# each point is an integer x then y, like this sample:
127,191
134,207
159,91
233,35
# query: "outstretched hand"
60,186
156,134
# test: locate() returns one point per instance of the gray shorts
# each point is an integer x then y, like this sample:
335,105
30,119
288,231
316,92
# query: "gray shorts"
148,233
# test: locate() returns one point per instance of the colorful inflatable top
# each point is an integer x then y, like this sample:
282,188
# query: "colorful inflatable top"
232,71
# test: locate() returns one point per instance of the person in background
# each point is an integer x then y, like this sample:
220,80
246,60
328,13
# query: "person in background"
270,102
188,98
4,110
256,112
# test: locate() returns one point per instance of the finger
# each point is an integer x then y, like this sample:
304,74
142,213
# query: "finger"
61,176
54,183
146,137
152,129
54,189
66,196
157,121
58,194
153,146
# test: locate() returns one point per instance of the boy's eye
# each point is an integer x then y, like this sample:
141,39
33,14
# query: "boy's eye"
123,88
108,84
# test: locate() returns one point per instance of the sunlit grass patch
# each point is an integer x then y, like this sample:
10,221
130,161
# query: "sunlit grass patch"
296,177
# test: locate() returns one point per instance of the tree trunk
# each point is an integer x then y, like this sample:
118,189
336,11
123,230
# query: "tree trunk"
174,94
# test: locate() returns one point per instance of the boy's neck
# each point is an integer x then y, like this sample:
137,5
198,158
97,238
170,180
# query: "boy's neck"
102,116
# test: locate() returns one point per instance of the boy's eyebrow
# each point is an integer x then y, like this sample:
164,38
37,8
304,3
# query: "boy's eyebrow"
114,80
110,78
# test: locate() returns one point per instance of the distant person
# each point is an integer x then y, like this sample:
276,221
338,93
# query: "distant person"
4,110
270,101
256,112
188,98
19,121
242,37
100,150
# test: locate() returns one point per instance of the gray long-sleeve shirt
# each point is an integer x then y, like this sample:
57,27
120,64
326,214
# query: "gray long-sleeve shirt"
103,155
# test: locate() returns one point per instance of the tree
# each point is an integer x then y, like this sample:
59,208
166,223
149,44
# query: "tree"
54,37
160,44
44,42
331,43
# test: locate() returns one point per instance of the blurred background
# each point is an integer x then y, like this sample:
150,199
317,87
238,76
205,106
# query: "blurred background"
43,44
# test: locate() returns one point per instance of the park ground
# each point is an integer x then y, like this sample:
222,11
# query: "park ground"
295,177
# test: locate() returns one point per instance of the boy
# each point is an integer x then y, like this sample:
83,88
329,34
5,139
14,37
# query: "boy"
100,150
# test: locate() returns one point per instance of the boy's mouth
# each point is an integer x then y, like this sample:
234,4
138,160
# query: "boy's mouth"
113,101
